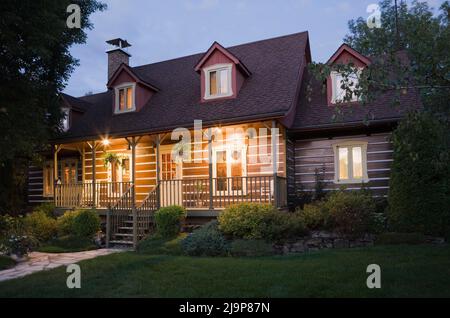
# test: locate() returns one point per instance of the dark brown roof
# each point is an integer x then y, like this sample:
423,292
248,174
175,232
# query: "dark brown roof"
75,103
313,111
275,66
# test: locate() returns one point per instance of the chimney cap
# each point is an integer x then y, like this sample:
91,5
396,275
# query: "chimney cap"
120,43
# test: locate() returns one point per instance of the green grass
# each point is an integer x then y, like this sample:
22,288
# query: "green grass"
6,262
67,244
407,271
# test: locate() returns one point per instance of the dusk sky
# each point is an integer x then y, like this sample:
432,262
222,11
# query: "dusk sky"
162,30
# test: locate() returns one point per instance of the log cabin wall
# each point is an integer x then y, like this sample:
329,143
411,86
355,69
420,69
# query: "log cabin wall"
315,154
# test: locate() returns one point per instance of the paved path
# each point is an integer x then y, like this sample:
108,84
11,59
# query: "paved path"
44,261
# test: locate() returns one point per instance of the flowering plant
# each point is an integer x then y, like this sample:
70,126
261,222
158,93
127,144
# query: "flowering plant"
20,245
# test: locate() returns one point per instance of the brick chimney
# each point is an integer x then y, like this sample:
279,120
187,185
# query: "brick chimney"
117,55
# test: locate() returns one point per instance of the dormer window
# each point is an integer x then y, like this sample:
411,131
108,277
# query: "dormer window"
339,93
125,98
218,81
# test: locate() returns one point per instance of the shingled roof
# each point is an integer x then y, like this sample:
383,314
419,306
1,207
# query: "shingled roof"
276,65
313,111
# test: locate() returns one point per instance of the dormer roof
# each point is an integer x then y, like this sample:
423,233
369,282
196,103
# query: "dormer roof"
346,48
216,46
125,68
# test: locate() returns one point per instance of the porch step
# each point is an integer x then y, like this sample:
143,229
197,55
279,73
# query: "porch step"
123,234
130,228
121,242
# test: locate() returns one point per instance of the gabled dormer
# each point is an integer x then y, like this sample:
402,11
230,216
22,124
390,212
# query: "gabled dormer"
345,55
72,109
131,92
221,74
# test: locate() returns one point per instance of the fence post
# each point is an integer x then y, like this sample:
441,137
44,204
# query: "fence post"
210,169
108,226
135,225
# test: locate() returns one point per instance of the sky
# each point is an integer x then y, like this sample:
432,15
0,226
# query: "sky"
161,30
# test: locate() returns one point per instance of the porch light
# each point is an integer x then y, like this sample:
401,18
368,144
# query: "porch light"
105,142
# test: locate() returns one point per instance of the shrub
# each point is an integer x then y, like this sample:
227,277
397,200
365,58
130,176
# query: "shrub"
66,244
155,245
351,212
41,226
279,226
47,208
245,220
65,223
419,191
205,241
86,224
20,244
168,220
251,248
314,216
11,226
400,238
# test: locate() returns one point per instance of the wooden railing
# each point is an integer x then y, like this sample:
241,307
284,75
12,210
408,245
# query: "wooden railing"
195,193
145,213
120,216
82,194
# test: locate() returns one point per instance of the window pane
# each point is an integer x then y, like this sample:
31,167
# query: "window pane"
213,83
221,170
121,99
236,169
343,163
129,97
223,89
357,163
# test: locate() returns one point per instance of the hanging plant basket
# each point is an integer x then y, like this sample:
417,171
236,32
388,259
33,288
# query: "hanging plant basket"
111,158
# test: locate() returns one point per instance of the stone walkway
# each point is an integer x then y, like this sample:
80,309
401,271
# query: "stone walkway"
44,261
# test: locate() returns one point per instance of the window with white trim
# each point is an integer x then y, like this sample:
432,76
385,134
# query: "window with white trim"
125,98
218,81
350,162
338,93
66,119
229,163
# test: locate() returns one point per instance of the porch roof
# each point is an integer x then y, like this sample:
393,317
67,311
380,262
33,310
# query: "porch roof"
276,67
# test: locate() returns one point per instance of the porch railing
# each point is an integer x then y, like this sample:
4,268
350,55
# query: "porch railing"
189,193
82,194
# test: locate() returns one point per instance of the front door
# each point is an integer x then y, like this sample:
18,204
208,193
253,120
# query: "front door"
171,176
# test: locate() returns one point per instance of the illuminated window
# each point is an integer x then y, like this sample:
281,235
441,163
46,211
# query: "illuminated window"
125,98
338,93
229,166
69,171
218,81
350,162
48,179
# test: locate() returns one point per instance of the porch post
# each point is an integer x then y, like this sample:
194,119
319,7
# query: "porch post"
210,167
133,190
94,162
158,191
56,149
83,165
275,162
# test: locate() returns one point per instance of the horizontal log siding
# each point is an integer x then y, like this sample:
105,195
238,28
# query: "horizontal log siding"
145,165
35,187
310,155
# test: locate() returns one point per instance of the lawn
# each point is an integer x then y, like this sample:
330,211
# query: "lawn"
406,271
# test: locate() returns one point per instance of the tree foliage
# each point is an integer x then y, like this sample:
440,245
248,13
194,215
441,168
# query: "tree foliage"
35,63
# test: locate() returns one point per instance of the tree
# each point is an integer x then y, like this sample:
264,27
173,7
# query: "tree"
409,51
35,64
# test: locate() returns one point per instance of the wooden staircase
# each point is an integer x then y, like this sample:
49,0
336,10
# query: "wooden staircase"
127,225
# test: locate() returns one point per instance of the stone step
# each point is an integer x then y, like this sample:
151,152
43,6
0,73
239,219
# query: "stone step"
120,242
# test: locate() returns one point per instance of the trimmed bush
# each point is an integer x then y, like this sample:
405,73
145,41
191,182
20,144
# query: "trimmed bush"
400,238
351,212
280,226
251,248
168,220
86,224
47,208
65,223
67,244
314,216
205,241
245,220
41,226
